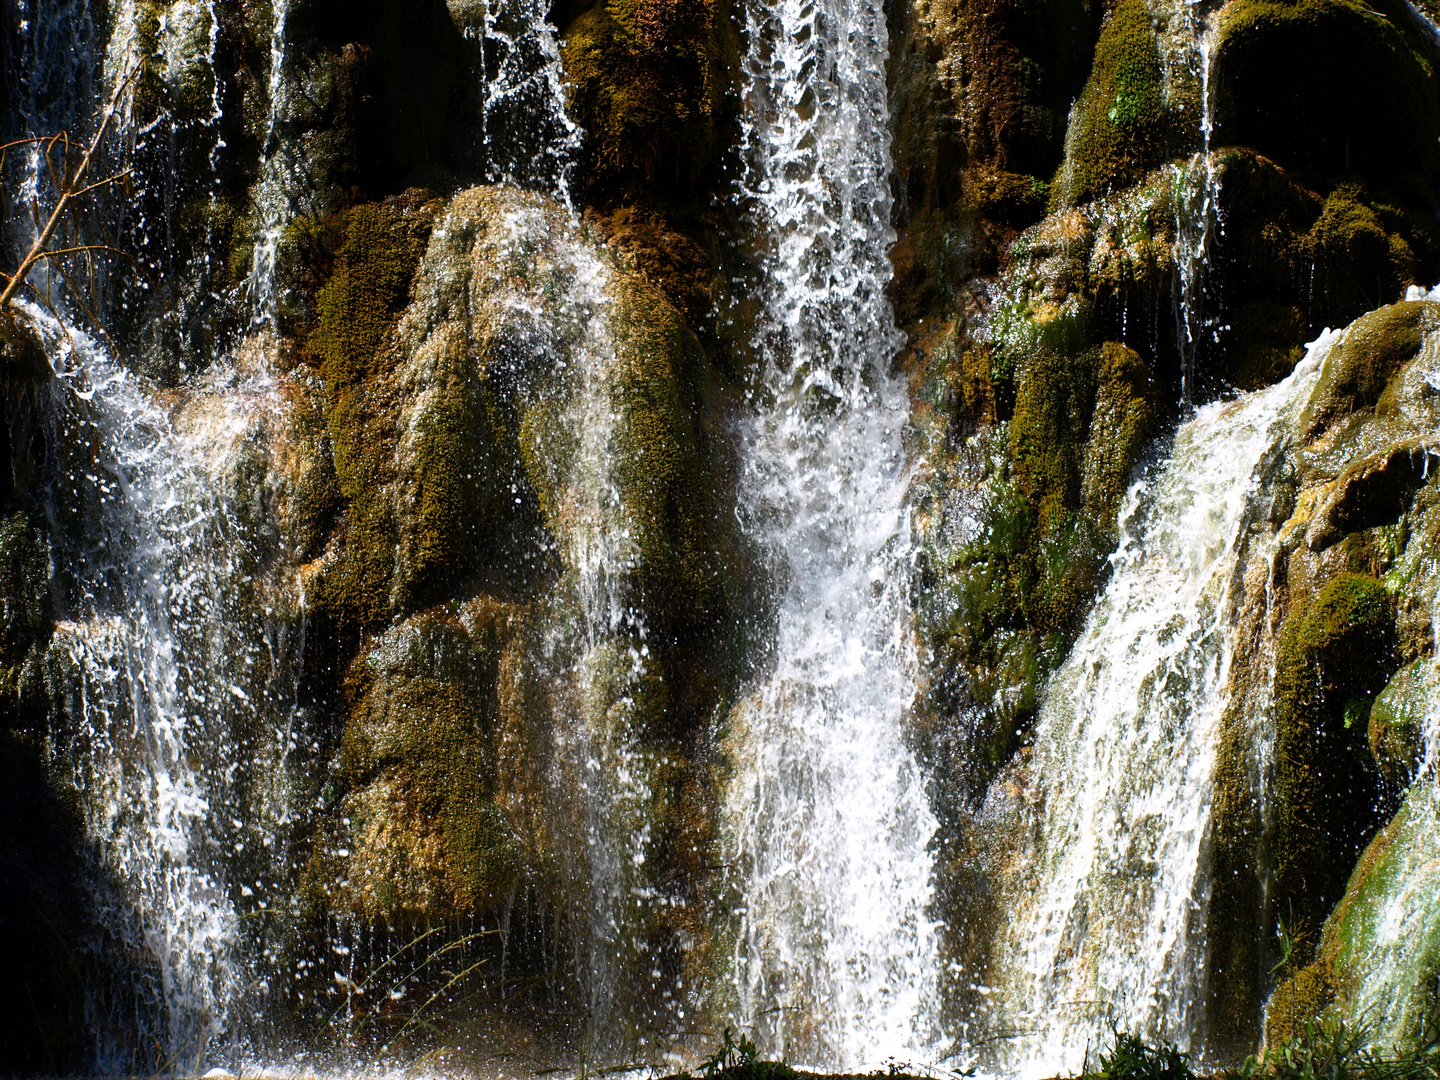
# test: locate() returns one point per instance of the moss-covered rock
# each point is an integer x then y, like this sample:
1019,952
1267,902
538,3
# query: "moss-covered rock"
514,398
1016,541
979,94
1382,942
649,81
420,833
1130,117
1397,722
1357,371
1298,1001
1331,87
358,308
1371,492
1077,429
1334,654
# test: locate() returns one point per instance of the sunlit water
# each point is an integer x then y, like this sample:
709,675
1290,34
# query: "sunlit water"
1106,897
826,815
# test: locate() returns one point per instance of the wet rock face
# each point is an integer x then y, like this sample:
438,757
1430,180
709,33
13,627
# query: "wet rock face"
486,400
1306,231
1330,88
509,410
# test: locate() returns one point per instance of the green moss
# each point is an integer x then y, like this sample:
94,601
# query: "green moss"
358,307
1364,250
1078,426
1298,1001
1122,125
419,769
1262,344
1014,199
648,80
1002,608
1356,371
457,488
1334,654
370,285
660,466
1123,419
1397,723
1389,984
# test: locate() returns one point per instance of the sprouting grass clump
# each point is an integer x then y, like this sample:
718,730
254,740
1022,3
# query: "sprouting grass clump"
738,1058
1131,1058
1325,1049
1330,1049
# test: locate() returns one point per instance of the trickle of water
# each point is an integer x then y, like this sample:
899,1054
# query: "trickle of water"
1197,211
51,61
557,294
826,817
273,197
1107,894
525,137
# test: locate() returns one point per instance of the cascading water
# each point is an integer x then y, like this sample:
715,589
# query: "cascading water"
1197,210
525,137
828,823
610,657
273,195
1108,889
153,689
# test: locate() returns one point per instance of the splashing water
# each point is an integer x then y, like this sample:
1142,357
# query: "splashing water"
826,815
524,136
1109,890
52,65
273,194
1395,948
135,736
554,297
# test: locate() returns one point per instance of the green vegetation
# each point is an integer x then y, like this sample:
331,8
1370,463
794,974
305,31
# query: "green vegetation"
1122,126
358,307
1351,87
1335,653
1356,373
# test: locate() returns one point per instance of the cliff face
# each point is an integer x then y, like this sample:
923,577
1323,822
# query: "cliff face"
480,569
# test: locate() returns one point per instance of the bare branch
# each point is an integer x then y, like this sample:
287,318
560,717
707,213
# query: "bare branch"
51,253
73,186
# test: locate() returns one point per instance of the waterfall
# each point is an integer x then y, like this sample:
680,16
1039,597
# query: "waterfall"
609,657
1107,892
826,815
524,136
138,725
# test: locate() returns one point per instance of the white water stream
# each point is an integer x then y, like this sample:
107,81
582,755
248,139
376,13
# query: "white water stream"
152,690
1106,900
273,195
525,137
827,820
1197,209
